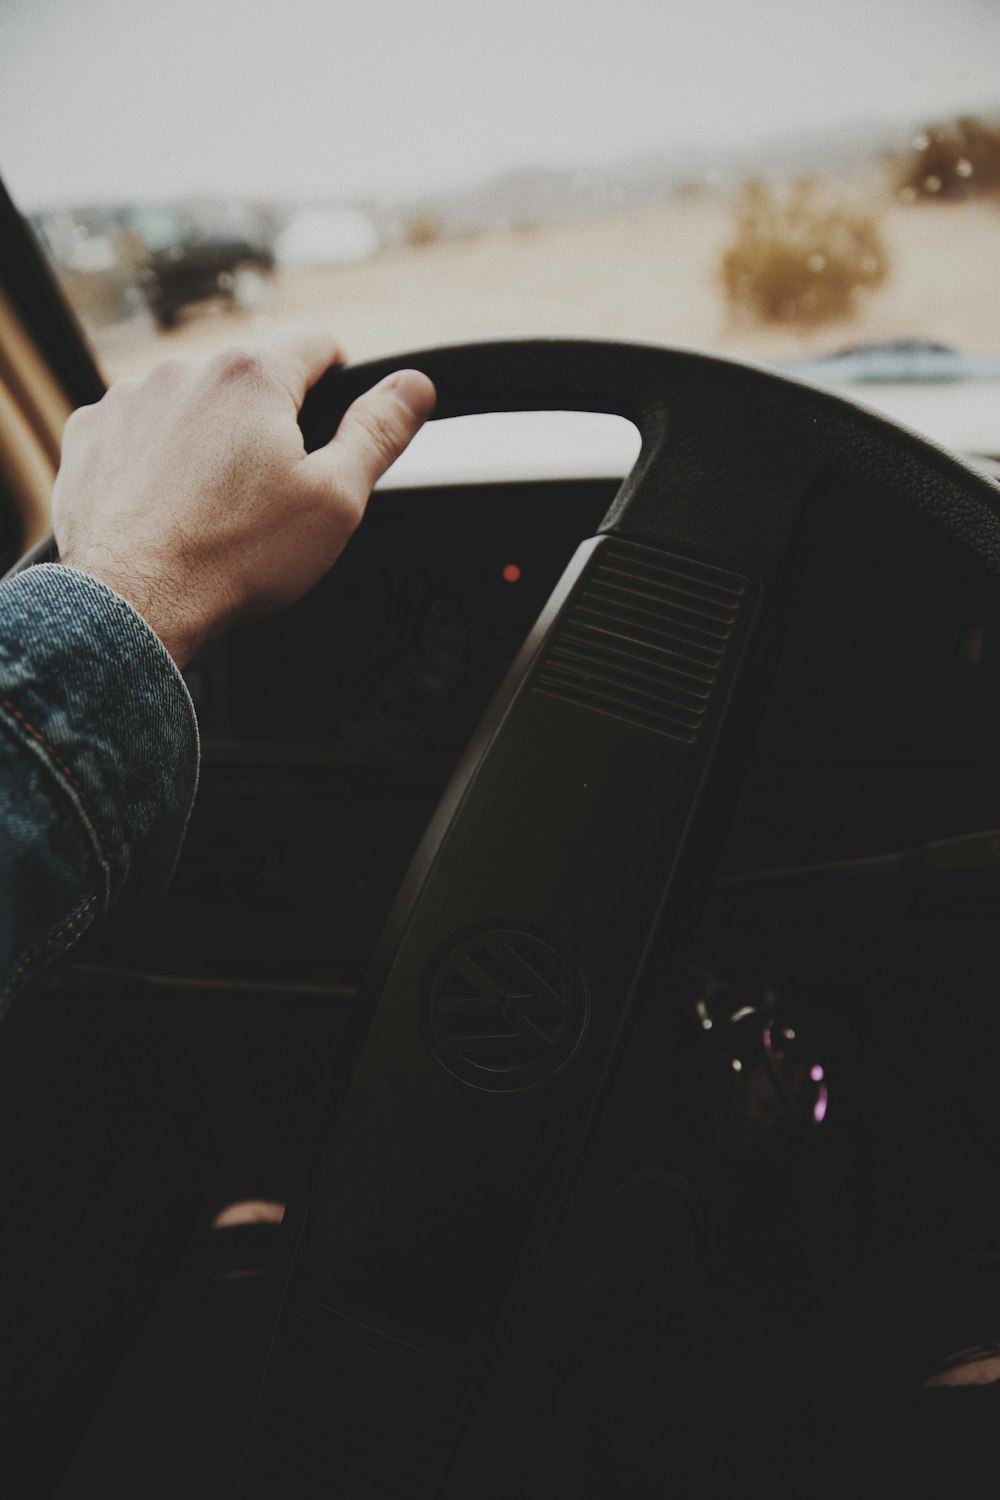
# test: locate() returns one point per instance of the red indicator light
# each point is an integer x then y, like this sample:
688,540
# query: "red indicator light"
511,573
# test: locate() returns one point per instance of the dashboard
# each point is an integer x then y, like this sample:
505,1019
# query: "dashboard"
401,647
330,733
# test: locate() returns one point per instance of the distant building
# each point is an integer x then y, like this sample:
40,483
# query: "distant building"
326,236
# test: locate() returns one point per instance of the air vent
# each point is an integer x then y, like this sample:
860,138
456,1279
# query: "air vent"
644,640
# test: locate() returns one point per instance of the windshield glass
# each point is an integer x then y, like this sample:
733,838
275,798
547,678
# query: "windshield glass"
780,182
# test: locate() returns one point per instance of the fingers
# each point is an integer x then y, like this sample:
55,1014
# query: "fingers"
300,354
373,432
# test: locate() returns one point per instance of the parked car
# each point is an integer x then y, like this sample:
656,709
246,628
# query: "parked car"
180,263
896,361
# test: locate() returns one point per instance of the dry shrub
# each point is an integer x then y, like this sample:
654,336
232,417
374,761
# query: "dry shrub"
797,259
953,161
422,229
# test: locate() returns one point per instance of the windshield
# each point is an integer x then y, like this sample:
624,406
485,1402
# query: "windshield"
781,182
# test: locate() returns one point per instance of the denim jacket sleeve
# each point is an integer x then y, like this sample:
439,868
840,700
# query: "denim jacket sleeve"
98,763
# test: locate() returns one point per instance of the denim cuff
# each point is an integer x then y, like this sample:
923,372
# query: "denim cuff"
95,697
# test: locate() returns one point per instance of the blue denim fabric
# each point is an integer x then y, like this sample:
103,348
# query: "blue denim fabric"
98,763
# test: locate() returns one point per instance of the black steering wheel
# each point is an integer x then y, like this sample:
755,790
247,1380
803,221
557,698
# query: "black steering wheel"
570,847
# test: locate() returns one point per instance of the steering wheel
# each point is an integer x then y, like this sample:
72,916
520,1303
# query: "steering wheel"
570,848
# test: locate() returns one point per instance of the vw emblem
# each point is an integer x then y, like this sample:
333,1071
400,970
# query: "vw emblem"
506,1010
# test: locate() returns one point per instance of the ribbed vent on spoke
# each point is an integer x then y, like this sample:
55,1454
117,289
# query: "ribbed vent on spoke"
644,640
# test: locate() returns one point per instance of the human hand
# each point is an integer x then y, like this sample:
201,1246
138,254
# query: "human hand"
190,492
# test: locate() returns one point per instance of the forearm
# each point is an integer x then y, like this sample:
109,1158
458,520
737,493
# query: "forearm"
98,763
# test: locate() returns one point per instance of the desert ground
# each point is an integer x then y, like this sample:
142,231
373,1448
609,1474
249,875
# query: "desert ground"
649,274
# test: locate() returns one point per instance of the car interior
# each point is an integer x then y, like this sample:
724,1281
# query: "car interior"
676,1218
586,927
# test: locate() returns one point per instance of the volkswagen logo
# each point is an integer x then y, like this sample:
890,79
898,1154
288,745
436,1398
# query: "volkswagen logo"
506,1010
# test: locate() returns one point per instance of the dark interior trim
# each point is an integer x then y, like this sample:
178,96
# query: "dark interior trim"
33,290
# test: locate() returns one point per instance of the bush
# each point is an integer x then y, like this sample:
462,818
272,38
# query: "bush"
953,161
796,259
422,229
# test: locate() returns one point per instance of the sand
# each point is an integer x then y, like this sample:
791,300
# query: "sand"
649,274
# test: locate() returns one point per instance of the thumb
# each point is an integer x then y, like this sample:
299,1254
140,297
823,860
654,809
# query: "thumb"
373,432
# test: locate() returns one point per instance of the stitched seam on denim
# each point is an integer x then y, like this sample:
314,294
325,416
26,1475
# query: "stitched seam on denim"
50,946
40,737
81,814
131,639
61,765
138,624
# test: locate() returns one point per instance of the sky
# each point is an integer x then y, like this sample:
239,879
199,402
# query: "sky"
111,99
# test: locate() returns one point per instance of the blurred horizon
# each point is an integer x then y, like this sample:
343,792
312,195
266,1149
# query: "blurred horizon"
107,101
195,171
